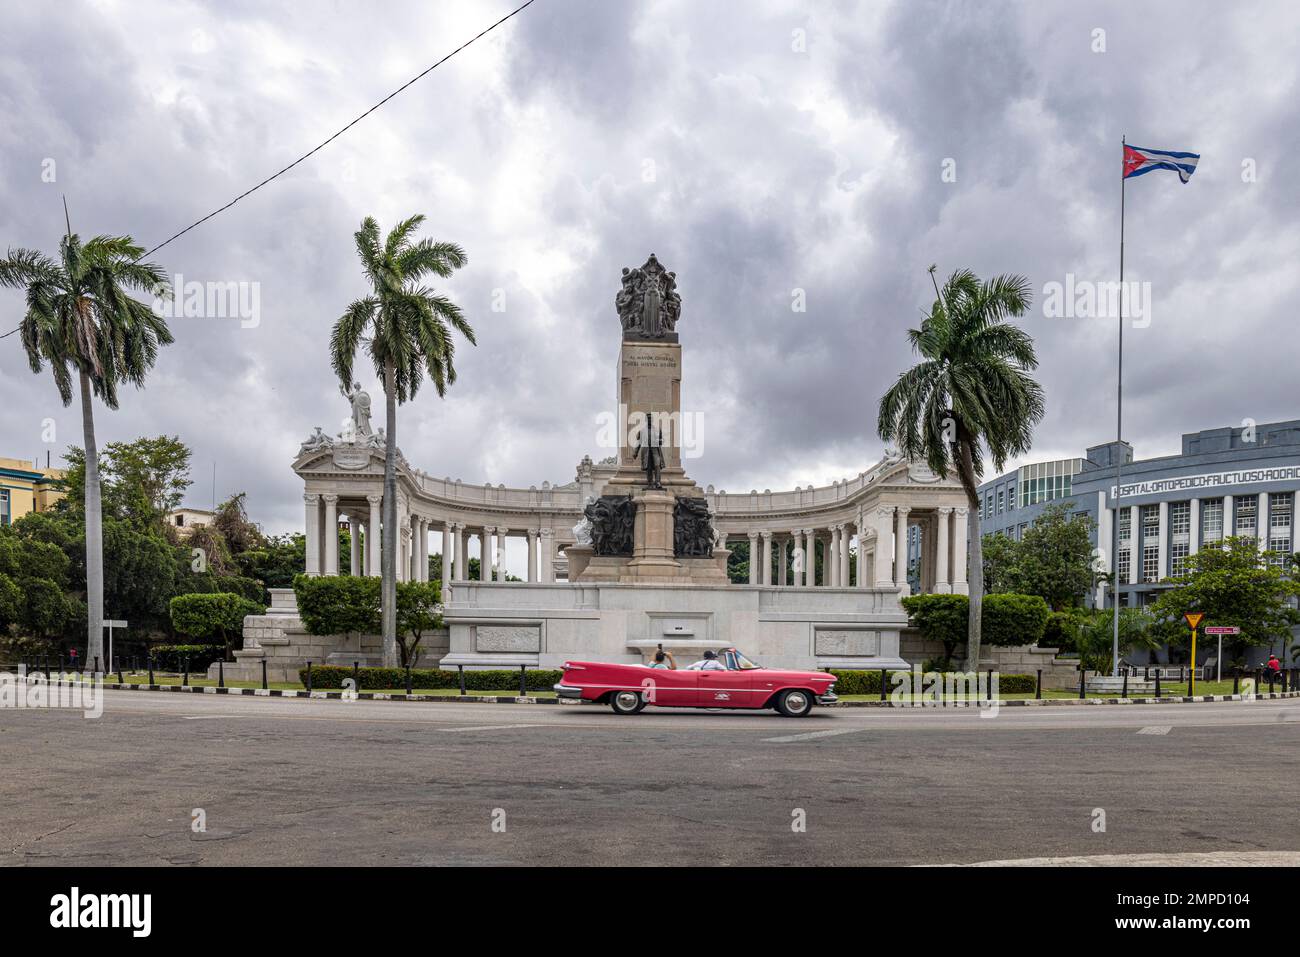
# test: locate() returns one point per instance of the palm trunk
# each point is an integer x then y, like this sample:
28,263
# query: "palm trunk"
94,536
391,536
975,573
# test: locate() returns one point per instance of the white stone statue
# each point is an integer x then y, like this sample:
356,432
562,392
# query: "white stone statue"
360,409
316,442
582,531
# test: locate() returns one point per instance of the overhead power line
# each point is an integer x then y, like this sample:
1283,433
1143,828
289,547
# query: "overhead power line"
317,148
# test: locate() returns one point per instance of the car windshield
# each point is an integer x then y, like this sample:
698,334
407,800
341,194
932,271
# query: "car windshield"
738,662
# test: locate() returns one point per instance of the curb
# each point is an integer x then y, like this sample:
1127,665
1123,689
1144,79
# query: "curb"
515,699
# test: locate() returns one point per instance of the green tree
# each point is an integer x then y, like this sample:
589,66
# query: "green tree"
417,614
215,617
1054,558
1094,637
409,328
1000,553
972,391
1233,583
940,618
83,323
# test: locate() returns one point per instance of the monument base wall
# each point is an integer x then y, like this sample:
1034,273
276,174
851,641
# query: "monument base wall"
544,625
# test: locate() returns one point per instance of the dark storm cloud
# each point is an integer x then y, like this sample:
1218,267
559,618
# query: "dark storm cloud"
760,149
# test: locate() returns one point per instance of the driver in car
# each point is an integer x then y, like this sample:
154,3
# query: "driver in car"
709,662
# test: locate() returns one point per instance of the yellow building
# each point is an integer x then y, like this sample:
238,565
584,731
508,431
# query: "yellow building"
25,488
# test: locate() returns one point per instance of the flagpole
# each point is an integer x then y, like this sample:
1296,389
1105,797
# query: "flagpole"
1119,424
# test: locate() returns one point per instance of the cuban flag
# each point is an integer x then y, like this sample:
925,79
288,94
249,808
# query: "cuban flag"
1139,160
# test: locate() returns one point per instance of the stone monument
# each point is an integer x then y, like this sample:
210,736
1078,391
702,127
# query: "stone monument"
672,538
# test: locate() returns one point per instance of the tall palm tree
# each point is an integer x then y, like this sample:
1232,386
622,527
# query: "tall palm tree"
408,328
81,320
971,391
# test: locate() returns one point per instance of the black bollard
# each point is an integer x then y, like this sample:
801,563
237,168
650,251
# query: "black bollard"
309,677
1123,693
45,664
151,669
884,685
1157,684
96,670
1082,677
408,679
461,669
356,675
120,679
523,681
1038,686
1236,681
264,686
988,690
185,671
221,672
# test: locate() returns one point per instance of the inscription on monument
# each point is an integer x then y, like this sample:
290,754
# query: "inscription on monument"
507,638
846,642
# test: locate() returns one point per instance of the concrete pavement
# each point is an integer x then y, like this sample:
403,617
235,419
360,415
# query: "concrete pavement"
372,782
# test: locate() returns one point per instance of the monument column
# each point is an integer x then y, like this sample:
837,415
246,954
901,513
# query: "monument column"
354,544
548,555
782,561
753,558
460,563
485,553
900,549
499,558
372,535
446,552
884,535
846,580
331,533
766,578
312,521
532,554
809,578
960,533
424,551
942,583
831,564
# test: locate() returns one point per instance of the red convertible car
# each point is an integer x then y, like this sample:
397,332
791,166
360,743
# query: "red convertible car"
630,688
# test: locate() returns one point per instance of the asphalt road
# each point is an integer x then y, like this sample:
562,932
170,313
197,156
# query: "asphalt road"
299,782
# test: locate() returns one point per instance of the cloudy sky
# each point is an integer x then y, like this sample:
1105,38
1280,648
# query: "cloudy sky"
759,148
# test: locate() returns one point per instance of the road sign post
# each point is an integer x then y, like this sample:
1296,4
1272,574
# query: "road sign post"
1220,631
1193,619
110,624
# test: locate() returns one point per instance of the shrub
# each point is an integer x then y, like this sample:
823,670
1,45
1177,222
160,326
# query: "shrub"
332,676
941,618
1060,631
170,657
215,617
338,604
1011,619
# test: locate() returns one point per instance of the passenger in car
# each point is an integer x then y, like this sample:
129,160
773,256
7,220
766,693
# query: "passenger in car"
709,662
663,659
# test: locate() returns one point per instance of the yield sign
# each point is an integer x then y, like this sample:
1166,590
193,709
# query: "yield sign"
1193,619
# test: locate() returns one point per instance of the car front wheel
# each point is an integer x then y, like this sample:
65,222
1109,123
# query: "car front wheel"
794,703
626,702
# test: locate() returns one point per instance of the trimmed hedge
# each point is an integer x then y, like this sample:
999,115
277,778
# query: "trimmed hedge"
1010,619
868,682
1060,631
169,657
328,677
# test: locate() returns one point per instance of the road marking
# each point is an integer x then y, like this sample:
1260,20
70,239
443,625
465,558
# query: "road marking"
786,739
491,727
1155,729
213,717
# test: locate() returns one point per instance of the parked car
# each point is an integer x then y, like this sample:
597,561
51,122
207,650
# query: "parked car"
629,689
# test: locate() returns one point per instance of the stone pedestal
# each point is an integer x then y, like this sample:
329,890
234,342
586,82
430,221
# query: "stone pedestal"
652,550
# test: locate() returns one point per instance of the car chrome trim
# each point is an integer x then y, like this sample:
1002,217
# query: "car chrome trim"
567,691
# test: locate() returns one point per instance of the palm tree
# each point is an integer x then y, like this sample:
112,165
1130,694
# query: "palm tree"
82,322
971,391
407,323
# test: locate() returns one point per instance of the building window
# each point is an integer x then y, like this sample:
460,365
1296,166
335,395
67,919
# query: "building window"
4,506
1125,525
1180,519
1211,522
1244,524
1002,496
1177,558
1150,520
1125,566
1279,527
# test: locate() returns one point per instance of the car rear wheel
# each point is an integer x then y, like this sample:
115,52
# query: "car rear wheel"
626,702
794,703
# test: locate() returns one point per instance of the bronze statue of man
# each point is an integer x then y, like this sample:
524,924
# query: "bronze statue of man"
650,452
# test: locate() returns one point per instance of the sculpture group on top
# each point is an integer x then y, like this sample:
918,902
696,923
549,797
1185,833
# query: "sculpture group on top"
648,303
357,433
